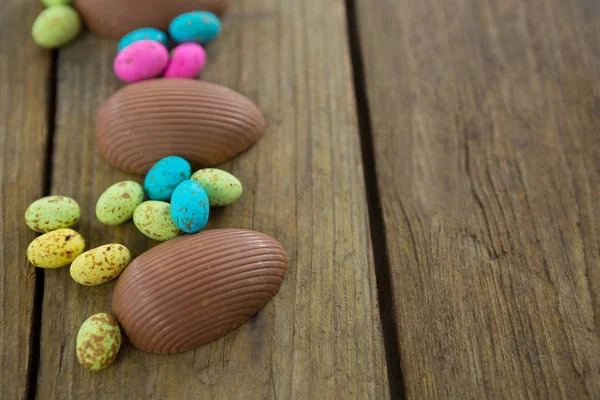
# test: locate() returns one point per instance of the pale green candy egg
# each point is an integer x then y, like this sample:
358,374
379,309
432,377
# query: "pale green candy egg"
56,26
51,213
153,219
50,3
118,202
100,265
223,189
98,341
56,249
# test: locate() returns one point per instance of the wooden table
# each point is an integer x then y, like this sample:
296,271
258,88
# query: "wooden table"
432,167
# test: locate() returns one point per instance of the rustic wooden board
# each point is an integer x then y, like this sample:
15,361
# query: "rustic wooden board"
485,117
24,85
320,337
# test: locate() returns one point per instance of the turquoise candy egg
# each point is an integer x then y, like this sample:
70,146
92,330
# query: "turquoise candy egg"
144,34
197,26
164,176
190,207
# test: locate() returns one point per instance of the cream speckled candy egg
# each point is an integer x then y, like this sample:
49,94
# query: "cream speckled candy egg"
153,219
56,249
223,189
100,265
98,341
118,202
51,213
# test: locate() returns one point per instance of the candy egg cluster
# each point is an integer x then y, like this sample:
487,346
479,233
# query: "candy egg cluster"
61,246
223,276
143,53
99,338
178,202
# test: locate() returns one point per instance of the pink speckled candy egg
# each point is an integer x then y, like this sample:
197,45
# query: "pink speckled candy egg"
141,60
187,60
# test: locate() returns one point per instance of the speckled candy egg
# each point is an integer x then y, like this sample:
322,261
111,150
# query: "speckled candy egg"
153,219
56,26
100,265
222,188
50,3
118,202
51,213
164,176
98,341
196,26
141,60
187,61
144,34
190,207
56,249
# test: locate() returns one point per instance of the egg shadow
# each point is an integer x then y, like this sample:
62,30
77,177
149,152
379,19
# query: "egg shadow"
217,217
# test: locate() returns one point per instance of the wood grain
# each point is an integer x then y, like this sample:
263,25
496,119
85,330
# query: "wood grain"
320,336
24,74
485,117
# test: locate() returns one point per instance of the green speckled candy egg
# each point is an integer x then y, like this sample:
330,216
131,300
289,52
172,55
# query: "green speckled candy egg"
52,213
98,341
56,249
223,189
153,219
100,265
56,26
50,3
118,202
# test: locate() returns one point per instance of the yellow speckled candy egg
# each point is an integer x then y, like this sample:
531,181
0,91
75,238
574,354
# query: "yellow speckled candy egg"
100,265
153,219
222,188
56,249
51,213
118,202
98,341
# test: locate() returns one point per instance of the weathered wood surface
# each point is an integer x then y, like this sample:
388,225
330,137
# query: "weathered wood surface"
320,337
486,124
24,72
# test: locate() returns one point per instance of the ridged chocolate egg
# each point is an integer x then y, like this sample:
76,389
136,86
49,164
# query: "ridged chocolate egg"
202,122
194,289
118,17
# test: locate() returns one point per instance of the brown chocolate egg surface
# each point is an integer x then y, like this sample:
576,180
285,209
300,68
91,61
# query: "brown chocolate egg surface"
203,122
194,289
116,18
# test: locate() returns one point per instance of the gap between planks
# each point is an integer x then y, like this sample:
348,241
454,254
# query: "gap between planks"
38,297
376,222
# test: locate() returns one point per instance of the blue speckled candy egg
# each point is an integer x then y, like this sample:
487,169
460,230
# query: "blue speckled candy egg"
164,176
190,207
144,34
197,26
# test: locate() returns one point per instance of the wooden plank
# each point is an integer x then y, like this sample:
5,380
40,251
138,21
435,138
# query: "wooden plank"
320,337
24,85
485,117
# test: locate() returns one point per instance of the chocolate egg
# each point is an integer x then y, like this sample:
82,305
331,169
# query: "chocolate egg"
202,122
194,289
118,17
